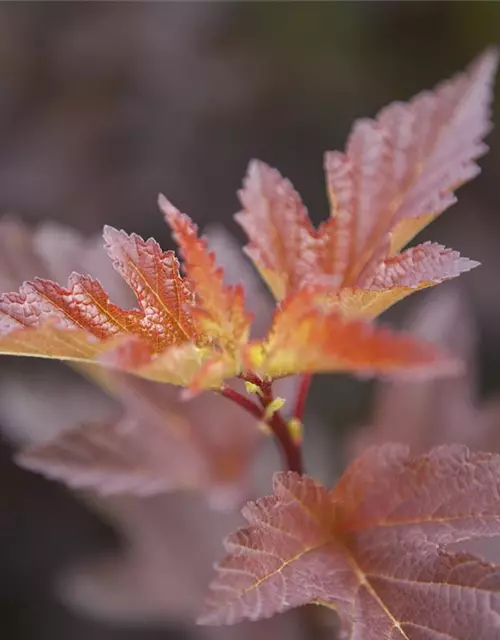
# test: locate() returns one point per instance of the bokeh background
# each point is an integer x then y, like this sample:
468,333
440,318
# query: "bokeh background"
104,105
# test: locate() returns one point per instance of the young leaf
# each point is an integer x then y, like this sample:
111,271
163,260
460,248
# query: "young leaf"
84,306
159,341
373,548
223,316
406,164
398,173
76,323
279,229
305,338
392,172
419,267
153,275
159,443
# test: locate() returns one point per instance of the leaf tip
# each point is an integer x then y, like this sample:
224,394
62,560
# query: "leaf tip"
166,206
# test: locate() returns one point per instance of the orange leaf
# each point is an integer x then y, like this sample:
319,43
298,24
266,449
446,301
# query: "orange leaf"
223,315
50,341
178,364
77,323
395,169
306,339
372,548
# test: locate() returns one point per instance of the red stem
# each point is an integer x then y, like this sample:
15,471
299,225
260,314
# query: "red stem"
304,386
292,452
244,402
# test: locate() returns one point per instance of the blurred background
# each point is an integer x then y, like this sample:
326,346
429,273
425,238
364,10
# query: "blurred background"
104,105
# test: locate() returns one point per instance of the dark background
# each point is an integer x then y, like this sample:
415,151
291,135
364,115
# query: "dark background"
103,105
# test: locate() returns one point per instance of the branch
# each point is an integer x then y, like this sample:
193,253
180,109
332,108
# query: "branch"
243,401
291,450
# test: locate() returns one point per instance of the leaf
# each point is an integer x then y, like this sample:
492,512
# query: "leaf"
164,298
304,339
154,277
223,316
398,173
239,270
84,305
395,278
373,548
197,333
278,226
50,341
404,164
124,458
419,267
160,444
82,320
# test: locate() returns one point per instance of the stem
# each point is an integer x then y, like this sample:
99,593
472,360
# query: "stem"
291,451
304,386
244,402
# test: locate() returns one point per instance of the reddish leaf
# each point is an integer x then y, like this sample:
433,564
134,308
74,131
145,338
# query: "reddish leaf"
278,226
373,548
82,320
376,185
223,316
419,267
164,298
128,457
398,173
404,164
84,305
